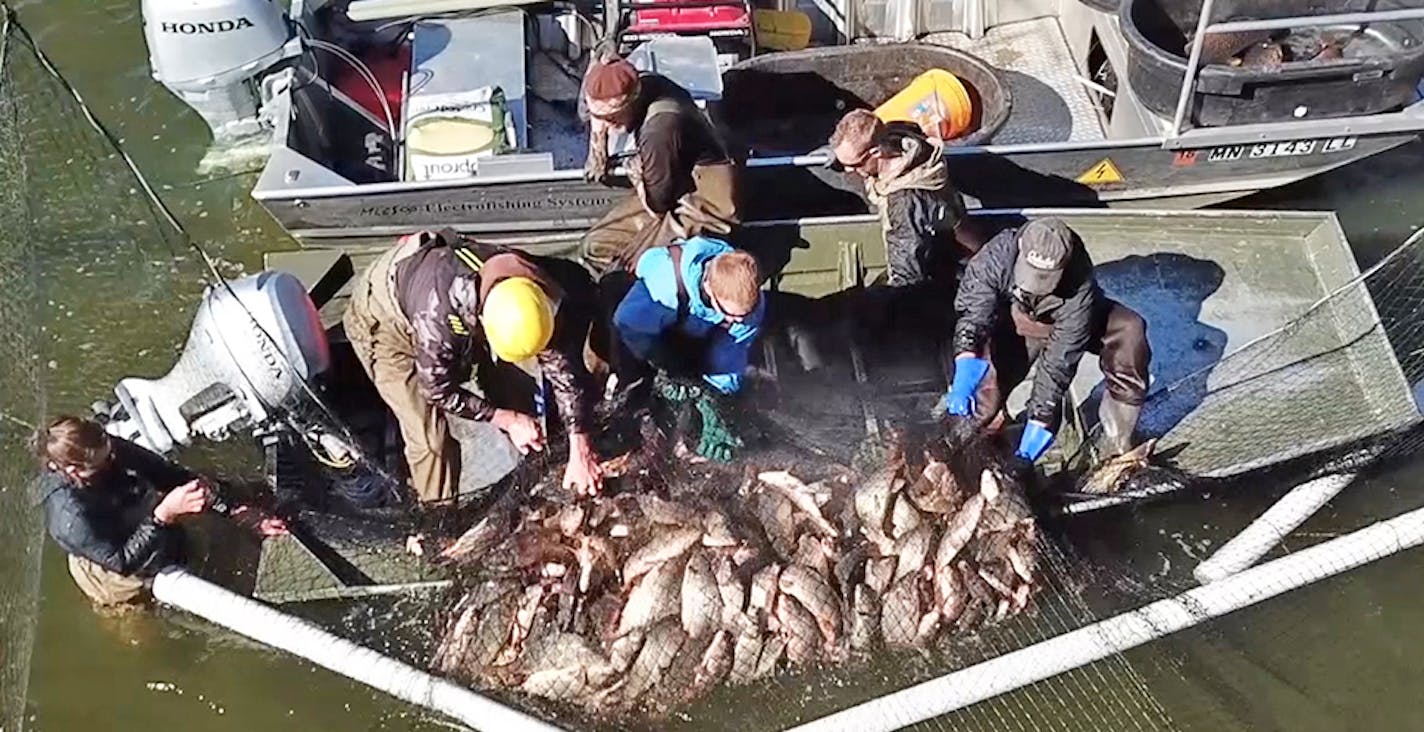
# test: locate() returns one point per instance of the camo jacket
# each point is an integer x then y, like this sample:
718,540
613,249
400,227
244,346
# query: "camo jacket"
440,296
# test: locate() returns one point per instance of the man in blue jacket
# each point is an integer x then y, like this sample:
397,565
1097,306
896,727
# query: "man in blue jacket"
694,310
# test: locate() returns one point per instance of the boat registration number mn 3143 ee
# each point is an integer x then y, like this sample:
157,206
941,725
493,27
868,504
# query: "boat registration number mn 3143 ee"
1282,149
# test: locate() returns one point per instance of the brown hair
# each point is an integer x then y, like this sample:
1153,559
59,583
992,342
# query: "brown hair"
858,126
734,279
71,441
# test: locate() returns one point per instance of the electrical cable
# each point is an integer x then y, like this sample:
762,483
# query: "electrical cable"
215,277
365,72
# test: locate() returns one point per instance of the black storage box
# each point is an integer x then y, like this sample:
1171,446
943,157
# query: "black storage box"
1379,70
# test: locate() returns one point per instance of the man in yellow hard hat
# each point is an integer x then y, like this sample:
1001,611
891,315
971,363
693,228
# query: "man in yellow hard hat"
435,305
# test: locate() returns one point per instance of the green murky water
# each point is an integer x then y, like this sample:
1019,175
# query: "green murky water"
1342,655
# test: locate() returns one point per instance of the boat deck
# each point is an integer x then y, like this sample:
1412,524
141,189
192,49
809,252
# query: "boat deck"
554,126
1050,102
1207,283
1214,289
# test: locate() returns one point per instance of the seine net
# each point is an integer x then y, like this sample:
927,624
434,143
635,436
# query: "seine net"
816,573
22,400
97,283
1331,391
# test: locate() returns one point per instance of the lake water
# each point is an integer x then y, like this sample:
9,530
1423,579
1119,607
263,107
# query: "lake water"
1341,655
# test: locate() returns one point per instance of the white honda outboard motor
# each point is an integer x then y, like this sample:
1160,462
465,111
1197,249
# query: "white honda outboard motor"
251,351
213,53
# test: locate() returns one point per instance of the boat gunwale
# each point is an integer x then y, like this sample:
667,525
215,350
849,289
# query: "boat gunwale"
798,161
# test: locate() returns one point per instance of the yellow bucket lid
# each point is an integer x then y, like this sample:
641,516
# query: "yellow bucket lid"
449,135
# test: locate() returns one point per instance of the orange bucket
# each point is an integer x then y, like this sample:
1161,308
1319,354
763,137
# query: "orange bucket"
936,100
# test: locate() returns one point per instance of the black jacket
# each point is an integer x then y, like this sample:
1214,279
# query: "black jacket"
1064,320
919,228
919,222
110,522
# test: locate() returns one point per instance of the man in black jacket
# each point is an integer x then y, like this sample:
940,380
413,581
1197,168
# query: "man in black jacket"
1031,292
112,506
908,182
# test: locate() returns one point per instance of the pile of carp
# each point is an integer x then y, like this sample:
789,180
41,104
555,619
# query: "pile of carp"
644,598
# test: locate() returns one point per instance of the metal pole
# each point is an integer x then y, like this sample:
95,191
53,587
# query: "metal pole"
177,587
1383,16
1247,547
1189,78
1119,633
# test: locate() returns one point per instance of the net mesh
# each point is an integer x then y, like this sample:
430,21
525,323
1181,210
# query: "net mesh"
1341,373
22,401
696,634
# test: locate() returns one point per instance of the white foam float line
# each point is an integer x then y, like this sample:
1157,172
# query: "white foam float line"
1263,534
187,592
1100,640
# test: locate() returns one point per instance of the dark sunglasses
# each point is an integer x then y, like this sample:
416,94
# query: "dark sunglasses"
859,161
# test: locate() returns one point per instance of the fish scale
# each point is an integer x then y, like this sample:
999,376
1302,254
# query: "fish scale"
746,649
913,549
816,596
798,627
661,548
701,599
901,612
654,597
733,593
678,681
658,652
865,618
716,662
934,491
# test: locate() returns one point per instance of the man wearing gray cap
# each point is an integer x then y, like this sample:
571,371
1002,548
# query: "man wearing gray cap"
1039,279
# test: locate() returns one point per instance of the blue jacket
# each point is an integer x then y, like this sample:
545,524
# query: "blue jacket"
650,309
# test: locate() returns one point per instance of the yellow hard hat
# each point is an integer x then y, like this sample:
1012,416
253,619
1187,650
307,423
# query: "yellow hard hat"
518,319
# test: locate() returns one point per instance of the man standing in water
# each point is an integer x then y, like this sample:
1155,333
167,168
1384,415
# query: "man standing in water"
113,507
426,313
1030,295
684,180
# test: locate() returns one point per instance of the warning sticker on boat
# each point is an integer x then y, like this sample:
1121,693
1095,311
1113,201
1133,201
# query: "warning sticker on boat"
1104,173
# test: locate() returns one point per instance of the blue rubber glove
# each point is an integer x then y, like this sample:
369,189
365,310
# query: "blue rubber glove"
724,383
1035,441
968,372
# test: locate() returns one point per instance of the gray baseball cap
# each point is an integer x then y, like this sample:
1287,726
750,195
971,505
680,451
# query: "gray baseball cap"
1045,245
